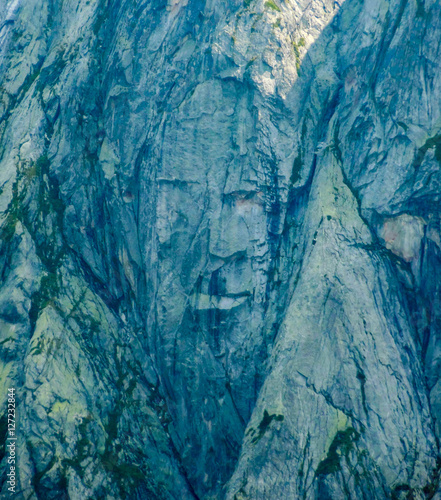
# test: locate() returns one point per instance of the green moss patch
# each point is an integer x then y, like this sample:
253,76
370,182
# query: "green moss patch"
264,424
342,444
432,143
296,47
271,5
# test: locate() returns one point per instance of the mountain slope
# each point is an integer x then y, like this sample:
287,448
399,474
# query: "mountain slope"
220,241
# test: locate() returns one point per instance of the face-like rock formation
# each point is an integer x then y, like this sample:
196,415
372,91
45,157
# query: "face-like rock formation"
220,248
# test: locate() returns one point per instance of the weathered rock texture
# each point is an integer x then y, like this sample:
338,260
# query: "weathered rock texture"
220,248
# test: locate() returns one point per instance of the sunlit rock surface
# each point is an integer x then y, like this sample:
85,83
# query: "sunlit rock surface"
220,248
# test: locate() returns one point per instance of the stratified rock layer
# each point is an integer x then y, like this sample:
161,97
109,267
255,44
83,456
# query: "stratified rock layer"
220,248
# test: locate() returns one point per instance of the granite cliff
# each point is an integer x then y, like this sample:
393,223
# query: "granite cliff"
220,248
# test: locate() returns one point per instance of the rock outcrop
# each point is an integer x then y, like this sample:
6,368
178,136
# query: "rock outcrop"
220,248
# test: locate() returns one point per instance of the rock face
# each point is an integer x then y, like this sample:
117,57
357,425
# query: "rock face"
220,248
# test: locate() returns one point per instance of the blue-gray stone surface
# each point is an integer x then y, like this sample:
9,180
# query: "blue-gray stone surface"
220,248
